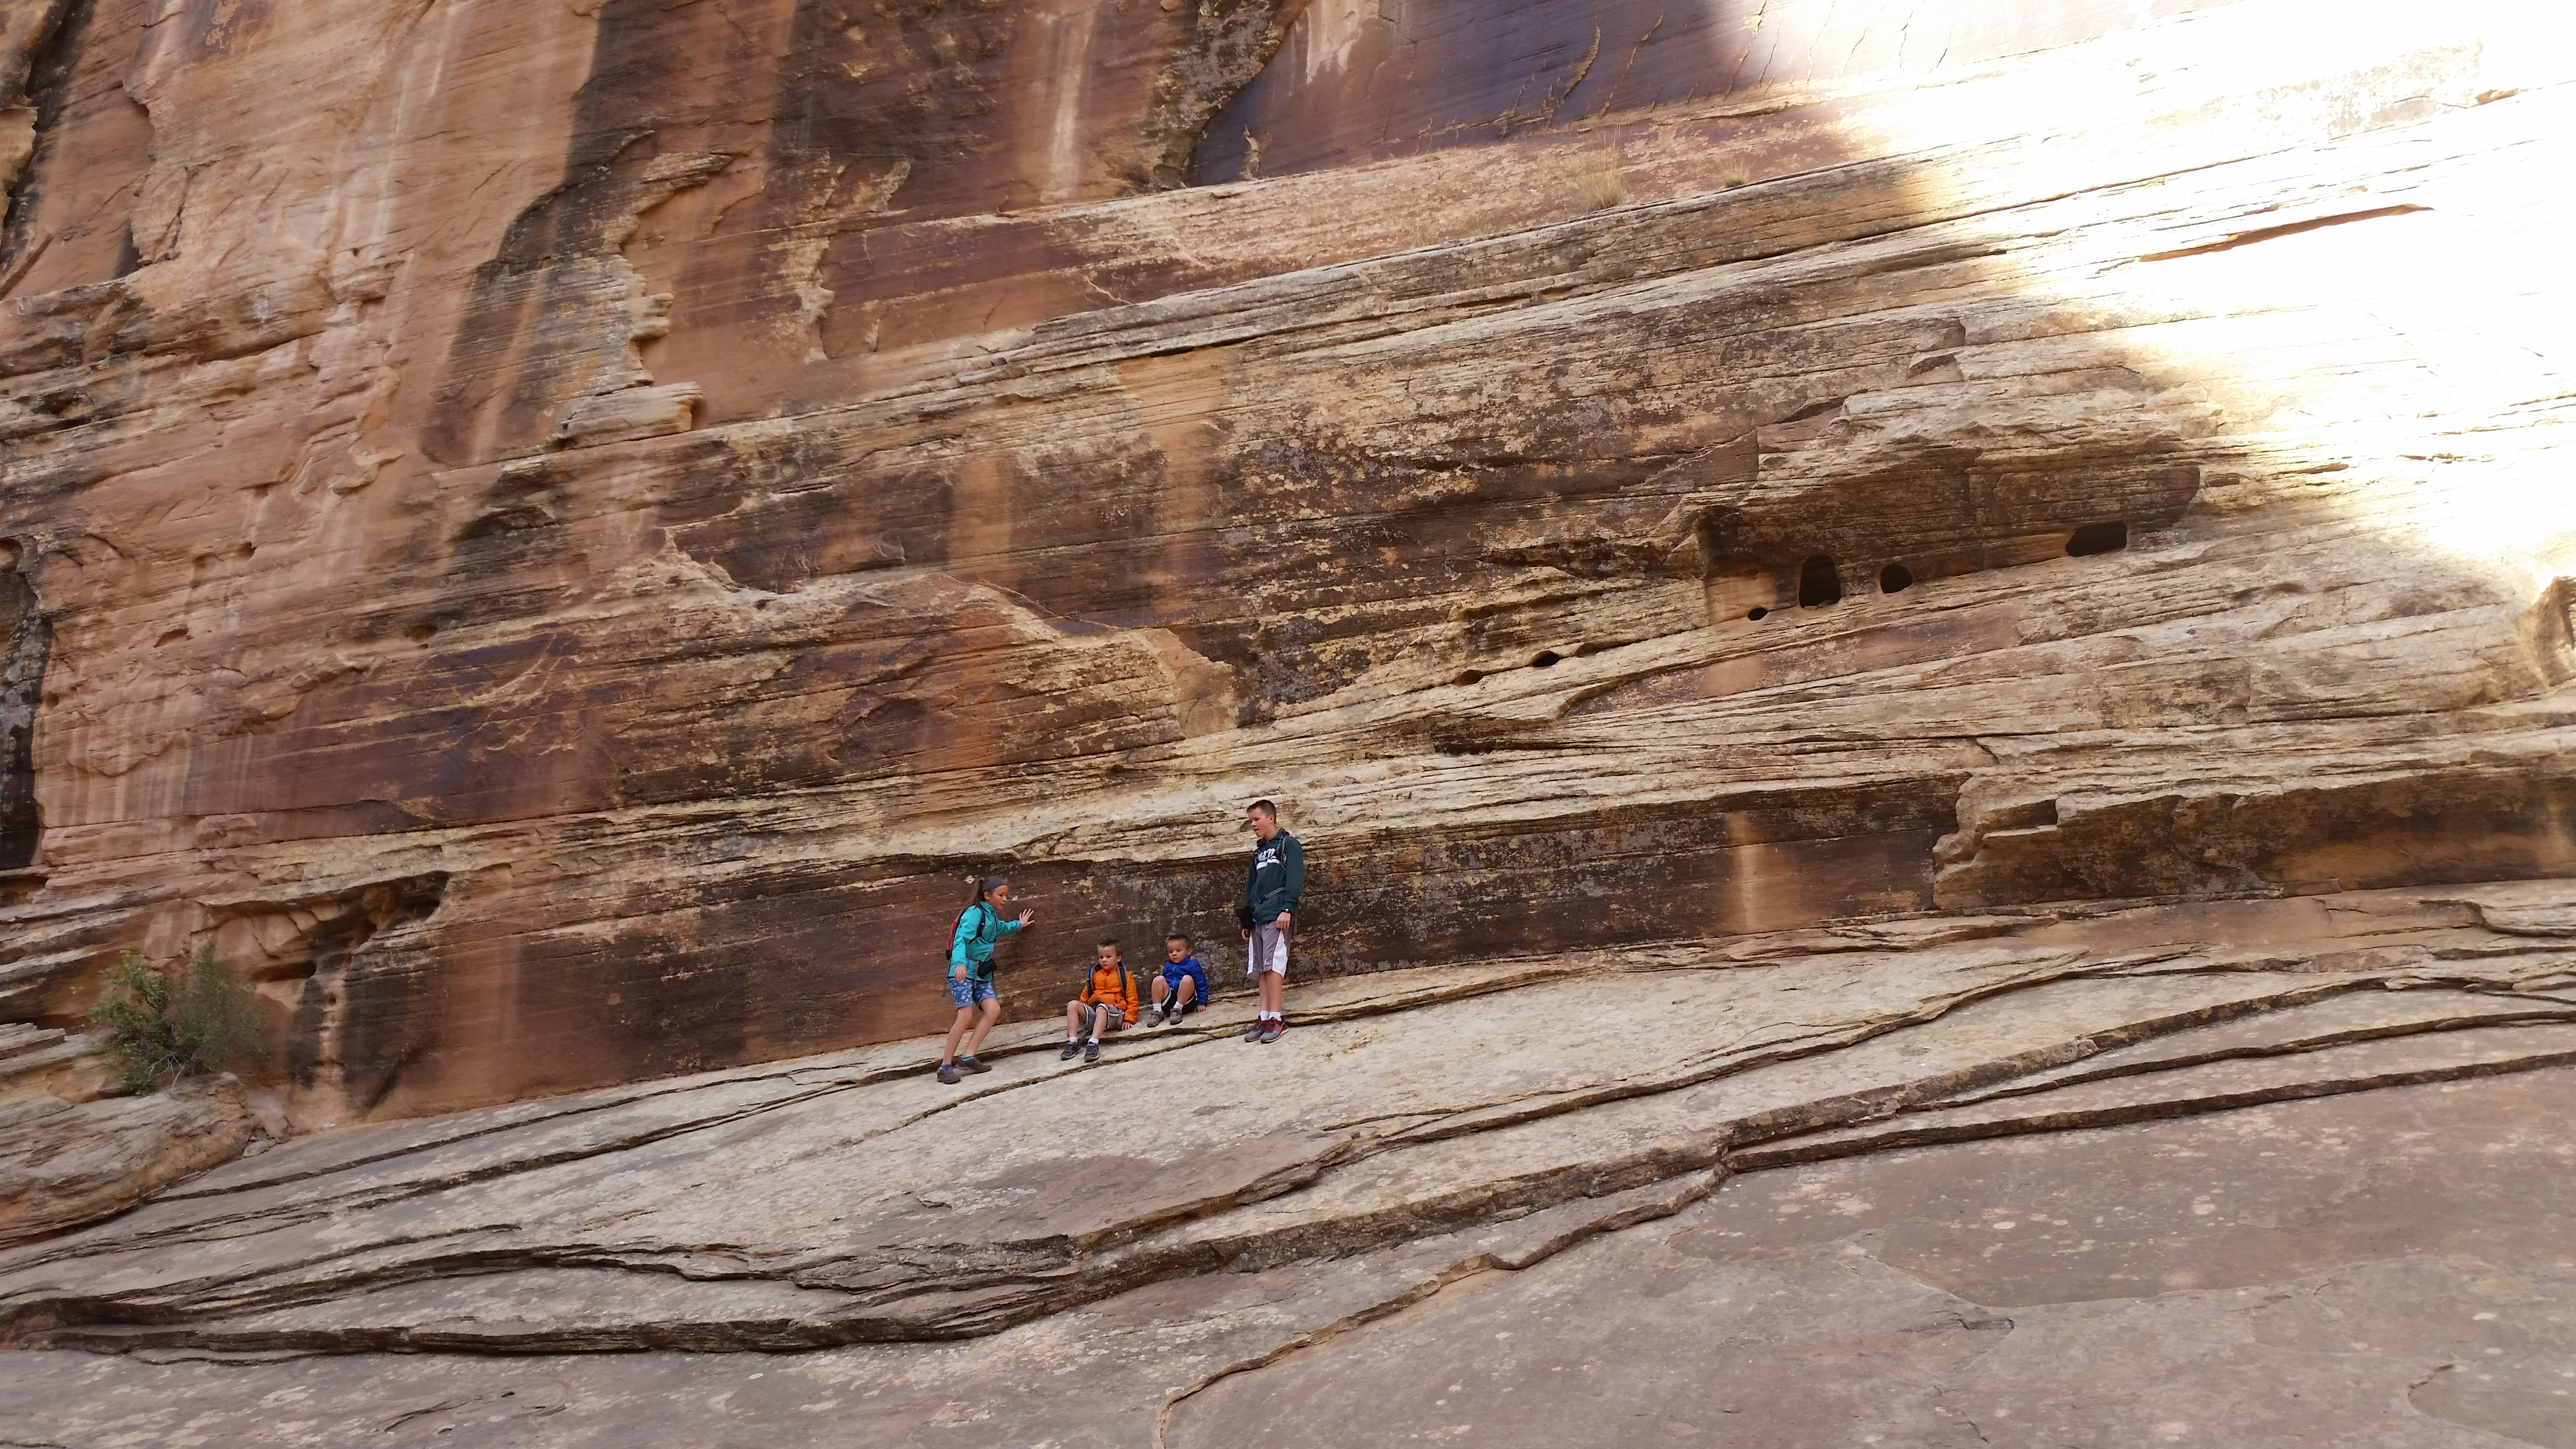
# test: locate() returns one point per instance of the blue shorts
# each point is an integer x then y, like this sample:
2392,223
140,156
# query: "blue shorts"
966,991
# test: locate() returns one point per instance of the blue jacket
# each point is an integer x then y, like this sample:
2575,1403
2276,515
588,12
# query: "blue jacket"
972,946
1277,878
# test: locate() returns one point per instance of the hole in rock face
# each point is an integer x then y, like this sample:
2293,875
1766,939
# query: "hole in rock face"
1545,658
1819,583
1757,614
1467,676
1896,578
2095,538
2028,815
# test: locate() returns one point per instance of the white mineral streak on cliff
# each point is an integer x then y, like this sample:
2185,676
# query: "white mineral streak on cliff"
1068,70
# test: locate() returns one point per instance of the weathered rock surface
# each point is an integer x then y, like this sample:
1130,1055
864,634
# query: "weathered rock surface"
1924,651
558,536
63,1163
74,1149
2294,1171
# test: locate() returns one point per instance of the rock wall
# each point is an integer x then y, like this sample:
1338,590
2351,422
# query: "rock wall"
559,535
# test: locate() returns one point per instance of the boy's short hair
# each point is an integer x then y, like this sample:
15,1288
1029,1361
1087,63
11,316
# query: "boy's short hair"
1109,941
1176,936
1264,806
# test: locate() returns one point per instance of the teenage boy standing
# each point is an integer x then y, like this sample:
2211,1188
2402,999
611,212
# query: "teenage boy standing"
1271,890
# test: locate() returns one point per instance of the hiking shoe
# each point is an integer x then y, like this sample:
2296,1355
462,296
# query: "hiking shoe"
1091,1051
971,1064
1257,1027
948,1074
1271,1032
1070,1047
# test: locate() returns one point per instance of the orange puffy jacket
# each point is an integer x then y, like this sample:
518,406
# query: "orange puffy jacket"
1111,986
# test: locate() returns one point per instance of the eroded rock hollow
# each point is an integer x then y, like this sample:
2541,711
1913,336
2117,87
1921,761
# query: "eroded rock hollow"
1820,582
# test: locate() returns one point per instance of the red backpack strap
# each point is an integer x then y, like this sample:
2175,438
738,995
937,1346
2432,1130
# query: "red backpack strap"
961,920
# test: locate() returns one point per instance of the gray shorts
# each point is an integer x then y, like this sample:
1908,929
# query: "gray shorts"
1109,1017
1268,950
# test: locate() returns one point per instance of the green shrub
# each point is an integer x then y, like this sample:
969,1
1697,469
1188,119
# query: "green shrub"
166,1026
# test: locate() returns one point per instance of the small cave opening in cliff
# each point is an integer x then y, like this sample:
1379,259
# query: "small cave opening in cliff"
2095,538
1896,578
1546,657
1819,582
1757,613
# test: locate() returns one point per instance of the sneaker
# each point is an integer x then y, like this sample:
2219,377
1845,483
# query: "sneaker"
1070,1047
1091,1051
1271,1032
948,1074
1257,1027
970,1064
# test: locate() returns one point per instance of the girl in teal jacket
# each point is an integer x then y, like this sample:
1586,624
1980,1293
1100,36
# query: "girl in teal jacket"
970,974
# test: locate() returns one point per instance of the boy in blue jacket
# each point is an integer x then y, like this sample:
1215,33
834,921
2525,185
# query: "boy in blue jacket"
1182,987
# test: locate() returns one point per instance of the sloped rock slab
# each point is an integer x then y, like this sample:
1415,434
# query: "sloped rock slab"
2330,1270
851,1198
2302,1273
2347,1016
2202,1087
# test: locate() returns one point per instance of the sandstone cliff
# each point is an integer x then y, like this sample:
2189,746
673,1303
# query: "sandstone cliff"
1867,612
559,535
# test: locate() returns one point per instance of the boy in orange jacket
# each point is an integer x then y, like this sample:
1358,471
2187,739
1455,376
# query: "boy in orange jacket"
1107,1003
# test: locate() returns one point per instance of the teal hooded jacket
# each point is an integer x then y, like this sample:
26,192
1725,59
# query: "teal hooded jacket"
972,944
